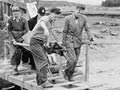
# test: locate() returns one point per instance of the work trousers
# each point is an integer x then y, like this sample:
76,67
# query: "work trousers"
20,53
72,59
40,58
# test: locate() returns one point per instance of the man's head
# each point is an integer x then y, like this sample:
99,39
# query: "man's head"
41,11
54,12
16,11
79,9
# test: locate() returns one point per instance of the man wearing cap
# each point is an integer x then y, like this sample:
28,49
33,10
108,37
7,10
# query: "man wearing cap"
72,39
37,43
17,27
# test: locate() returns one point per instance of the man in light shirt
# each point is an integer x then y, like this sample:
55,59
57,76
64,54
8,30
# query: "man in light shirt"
41,33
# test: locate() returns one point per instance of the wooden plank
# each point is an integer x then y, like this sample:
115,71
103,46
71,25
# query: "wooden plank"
2,74
32,85
18,80
28,80
30,77
87,64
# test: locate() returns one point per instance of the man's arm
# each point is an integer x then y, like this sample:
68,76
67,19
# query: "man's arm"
88,31
43,25
65,31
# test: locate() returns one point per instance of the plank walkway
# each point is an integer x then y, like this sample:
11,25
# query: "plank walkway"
27,79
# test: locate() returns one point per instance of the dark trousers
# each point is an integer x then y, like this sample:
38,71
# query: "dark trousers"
73,55
27,56
16,58
22,54
40,58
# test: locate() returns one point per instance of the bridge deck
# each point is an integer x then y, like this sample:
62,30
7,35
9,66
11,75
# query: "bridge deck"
27,79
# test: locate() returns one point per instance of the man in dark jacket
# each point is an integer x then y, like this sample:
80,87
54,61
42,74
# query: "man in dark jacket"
72,39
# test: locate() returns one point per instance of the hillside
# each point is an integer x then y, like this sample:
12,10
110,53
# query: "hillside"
56,3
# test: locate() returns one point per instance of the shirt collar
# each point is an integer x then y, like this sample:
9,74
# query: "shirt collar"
73,15
15,18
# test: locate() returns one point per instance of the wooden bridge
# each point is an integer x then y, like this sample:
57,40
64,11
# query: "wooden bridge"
27,78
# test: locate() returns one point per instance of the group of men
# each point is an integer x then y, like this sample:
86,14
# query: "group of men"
41,28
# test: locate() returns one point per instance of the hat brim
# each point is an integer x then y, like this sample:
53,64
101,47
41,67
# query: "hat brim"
58,12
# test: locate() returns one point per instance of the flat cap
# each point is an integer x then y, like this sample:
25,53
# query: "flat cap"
42,11
80,6
55,10
15,8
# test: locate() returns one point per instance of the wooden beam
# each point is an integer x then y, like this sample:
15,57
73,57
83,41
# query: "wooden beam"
87,63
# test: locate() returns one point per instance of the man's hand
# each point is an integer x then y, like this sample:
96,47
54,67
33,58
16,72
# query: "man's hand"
13,41
91,39
63,43
63,46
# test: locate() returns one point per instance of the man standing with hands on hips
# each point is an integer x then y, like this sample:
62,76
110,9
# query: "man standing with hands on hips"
72,39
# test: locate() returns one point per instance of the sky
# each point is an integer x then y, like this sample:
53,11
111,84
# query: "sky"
90,2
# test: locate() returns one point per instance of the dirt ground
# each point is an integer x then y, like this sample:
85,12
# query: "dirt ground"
104,59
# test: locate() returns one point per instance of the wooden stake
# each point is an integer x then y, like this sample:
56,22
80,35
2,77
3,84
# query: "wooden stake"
87,63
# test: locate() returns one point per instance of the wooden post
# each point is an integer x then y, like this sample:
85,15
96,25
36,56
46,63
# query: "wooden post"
5,51
9,9
60,65
87,63
1,10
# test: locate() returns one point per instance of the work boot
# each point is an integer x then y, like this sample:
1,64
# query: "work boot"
47,84
68,76
15,68
65,74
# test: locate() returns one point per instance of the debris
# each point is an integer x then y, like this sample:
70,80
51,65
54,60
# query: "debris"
114,33
106,23
98,23
105,30
99,36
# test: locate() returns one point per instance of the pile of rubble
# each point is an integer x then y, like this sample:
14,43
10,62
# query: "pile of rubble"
106,32
106,23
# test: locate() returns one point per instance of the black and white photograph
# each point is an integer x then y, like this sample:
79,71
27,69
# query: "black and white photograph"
59,44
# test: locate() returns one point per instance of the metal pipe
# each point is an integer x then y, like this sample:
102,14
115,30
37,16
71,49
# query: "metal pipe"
87,63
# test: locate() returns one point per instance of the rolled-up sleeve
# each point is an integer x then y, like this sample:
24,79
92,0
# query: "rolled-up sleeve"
65,30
